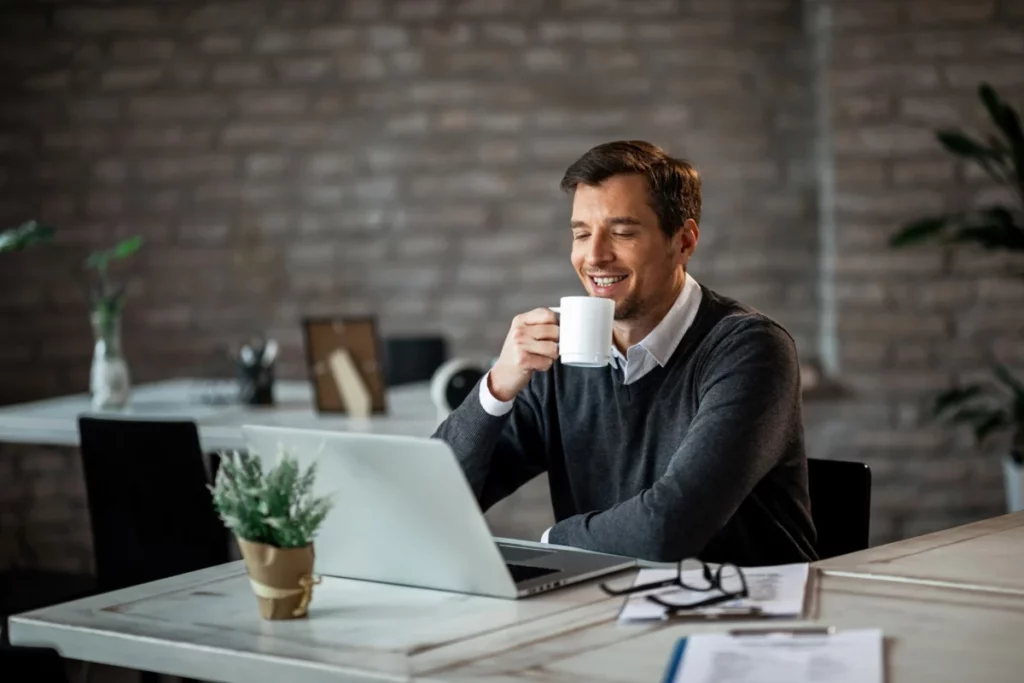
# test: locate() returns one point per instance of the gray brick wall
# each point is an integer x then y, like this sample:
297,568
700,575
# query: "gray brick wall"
402,158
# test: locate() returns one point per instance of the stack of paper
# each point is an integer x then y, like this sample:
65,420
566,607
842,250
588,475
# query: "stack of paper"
777,591
845,657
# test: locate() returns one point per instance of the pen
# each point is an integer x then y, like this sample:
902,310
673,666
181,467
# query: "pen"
796,631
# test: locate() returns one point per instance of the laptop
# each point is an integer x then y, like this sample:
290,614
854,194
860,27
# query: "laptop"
405,514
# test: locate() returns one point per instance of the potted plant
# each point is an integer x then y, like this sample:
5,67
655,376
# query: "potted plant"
994,407
274,517
109,378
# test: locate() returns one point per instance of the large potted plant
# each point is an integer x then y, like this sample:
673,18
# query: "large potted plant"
109,377
274,517
995,407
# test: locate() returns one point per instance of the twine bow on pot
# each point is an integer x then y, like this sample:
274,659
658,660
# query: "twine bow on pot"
306,583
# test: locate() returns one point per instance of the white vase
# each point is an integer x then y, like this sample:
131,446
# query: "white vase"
1013,479
109,379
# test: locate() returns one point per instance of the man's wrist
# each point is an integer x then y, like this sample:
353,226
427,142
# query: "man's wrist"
491,404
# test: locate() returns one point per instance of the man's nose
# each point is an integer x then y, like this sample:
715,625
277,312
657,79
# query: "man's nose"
599,250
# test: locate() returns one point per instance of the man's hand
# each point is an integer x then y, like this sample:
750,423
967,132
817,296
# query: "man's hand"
531,345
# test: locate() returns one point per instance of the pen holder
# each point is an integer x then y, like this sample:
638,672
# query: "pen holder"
256,384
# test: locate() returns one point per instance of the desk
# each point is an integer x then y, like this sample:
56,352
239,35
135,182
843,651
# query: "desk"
55,421
984,556
205,625
931,634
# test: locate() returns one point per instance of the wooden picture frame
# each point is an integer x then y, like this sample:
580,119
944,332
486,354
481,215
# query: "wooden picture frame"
336,345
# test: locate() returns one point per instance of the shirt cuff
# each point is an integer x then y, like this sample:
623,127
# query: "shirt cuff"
544,538
490,404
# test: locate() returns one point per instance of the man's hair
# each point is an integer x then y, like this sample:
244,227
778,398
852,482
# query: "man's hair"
674,184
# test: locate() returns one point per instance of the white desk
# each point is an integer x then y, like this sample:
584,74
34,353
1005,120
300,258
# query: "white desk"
205,625
54,421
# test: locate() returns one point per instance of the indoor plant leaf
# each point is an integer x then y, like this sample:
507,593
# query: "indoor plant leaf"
920,230
955,397
1007,378
25,235
991,424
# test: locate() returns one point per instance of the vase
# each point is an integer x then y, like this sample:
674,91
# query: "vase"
1013,479
281,578
109,379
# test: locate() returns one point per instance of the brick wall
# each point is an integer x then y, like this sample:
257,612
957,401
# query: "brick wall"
402,158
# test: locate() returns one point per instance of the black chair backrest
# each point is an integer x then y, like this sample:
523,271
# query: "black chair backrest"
152,515
413,359
840,493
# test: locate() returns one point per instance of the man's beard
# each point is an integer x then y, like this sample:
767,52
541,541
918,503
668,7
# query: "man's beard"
629,308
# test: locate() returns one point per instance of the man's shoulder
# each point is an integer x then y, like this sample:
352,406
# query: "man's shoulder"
733,323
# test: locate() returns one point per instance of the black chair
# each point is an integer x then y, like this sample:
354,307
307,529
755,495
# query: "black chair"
151,512
36,664
413,359
840,493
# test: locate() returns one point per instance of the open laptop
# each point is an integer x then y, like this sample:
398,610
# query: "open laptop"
405,514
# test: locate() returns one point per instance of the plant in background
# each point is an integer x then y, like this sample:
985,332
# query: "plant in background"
276,507
105,296
989,407
28,234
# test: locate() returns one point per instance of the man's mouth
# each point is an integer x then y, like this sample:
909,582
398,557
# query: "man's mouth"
606,284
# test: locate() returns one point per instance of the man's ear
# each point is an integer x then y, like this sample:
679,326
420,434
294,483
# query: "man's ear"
688,236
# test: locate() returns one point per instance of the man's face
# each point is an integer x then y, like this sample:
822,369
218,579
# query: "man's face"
618,250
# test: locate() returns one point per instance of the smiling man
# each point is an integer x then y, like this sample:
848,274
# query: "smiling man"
690,444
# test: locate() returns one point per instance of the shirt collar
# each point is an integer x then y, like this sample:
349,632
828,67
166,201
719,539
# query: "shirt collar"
663,340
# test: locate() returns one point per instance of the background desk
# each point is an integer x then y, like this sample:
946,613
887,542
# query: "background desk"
55,421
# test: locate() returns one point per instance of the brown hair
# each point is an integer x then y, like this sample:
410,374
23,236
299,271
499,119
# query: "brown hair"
674,183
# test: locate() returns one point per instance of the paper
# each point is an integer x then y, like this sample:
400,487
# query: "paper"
354,394
778,591
845,657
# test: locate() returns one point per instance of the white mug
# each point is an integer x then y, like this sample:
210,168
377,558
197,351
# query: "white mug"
585,330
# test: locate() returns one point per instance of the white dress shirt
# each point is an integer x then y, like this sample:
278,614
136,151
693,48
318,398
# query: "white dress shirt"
652,351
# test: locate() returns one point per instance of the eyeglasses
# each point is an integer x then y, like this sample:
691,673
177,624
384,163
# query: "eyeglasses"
727,581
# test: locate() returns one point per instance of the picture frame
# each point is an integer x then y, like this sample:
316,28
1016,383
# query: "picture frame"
336,345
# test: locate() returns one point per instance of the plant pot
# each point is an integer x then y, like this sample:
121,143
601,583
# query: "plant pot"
1013,479
281,578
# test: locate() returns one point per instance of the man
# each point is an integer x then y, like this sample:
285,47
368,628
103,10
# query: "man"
691,443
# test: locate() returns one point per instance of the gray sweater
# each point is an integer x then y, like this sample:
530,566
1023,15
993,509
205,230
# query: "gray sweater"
703,457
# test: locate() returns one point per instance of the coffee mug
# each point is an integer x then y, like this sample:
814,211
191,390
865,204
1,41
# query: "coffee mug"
585,330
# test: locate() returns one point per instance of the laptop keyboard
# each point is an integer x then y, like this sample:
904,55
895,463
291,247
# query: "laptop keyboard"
522,572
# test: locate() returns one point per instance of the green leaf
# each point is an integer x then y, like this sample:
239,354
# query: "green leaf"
1008,122
994,422
126,247
956,397
962,145
28,234
992,228
1007,378
919,230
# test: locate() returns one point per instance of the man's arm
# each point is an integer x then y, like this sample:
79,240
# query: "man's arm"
749,416
499,444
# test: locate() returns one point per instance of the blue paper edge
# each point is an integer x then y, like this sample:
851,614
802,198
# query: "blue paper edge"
674,661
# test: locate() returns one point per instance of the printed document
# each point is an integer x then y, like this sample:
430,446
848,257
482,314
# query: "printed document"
845,657
776,591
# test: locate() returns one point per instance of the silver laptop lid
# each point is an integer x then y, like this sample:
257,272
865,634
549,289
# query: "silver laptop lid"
403,511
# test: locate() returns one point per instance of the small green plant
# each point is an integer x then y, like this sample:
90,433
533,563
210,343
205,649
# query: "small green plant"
28,234
276,507
105,296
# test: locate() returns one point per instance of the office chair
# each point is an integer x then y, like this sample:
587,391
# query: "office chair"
36,664
152,515
840,494
413,359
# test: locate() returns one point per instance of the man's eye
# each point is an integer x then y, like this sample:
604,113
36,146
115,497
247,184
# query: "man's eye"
625,234
580,235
